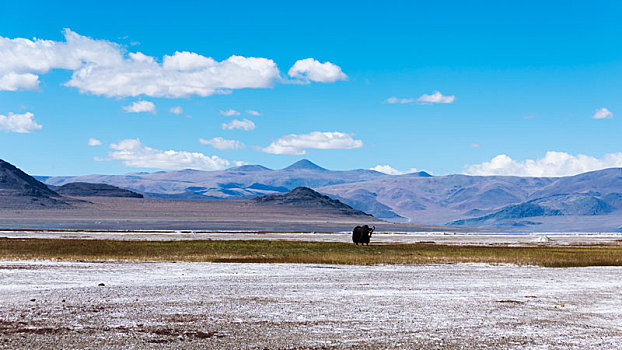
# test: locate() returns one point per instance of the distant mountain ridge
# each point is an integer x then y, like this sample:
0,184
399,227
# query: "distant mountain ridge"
246,181
503,202
589,201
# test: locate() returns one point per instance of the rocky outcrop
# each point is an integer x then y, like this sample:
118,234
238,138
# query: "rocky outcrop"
305,197
84,189
22,191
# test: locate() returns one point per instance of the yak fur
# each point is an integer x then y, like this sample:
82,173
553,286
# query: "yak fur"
362,234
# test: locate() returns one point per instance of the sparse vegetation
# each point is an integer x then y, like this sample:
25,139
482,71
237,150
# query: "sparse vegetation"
307,252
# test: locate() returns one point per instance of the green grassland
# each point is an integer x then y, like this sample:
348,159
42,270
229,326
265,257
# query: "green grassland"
306,252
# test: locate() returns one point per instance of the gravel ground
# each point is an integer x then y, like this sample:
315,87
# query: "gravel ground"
279,306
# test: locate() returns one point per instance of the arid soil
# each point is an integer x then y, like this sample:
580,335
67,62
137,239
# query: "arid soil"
138,213
102,213
274,306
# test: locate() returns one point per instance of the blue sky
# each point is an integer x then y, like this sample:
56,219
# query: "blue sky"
520,79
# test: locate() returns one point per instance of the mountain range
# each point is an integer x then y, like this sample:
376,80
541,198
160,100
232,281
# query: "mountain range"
26,203
243,182
589,201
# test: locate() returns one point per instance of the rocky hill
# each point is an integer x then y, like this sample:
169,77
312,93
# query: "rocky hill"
20,190
304,197
83,189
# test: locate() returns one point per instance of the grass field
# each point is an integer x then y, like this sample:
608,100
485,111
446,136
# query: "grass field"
306,252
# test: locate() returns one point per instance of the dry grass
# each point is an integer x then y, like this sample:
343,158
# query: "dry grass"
306,252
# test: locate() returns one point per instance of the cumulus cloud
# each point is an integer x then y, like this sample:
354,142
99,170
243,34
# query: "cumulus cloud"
229,112
94,142
180,75
602,113
176,110
22,60
252,112
222,144
436,97
105,68
13,81
19,123
134,154
394,100
140,107
552,164
296,144
387,169
243,124
310,69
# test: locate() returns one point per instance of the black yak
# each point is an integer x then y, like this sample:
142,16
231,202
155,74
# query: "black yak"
362,234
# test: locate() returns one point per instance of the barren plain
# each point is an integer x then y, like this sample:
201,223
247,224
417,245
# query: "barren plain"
109,213
288,306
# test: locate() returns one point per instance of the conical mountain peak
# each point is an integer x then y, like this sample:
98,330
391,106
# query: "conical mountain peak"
304,164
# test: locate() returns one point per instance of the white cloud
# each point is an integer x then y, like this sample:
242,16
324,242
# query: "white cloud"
176,110
13,81
222,144
22,59
252,112
134,154
140,107
229,112
19,123
181,75
310,69
103,68
602,113
436,97
392,171
296,144
553,164
243,124
393,100
474,145
94,142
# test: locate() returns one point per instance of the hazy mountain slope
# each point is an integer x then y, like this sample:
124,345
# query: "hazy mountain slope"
601,181
367,202
597,193
440,198
241,182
